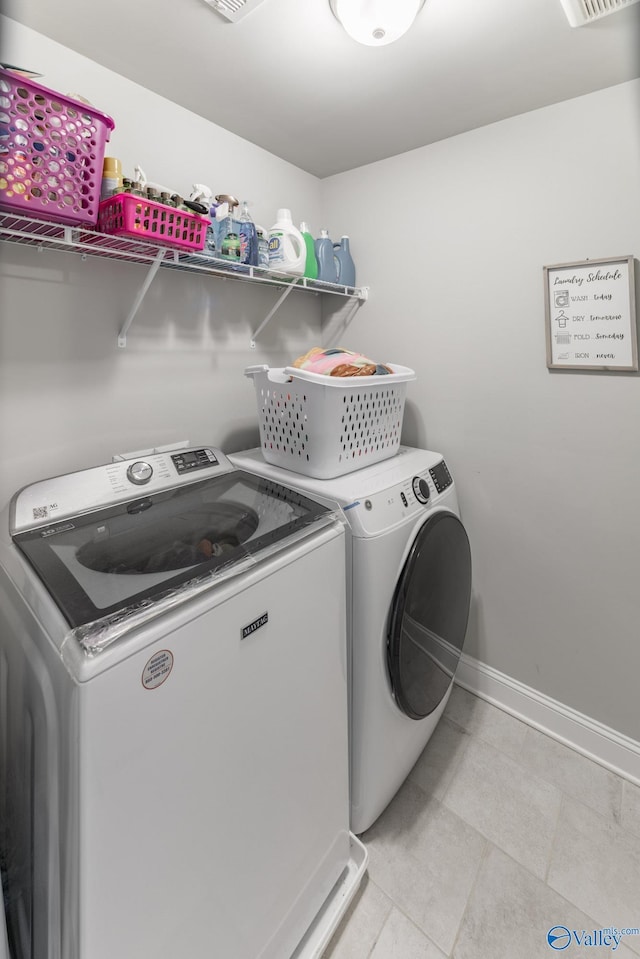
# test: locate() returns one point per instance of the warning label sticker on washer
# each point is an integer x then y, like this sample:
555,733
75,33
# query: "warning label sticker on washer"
157,669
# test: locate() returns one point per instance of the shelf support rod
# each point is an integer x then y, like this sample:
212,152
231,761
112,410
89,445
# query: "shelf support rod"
153,269
273,310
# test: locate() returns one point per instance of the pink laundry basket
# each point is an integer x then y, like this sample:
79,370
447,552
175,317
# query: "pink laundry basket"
51,152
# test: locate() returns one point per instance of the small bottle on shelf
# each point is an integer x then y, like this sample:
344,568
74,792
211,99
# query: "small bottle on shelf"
111,177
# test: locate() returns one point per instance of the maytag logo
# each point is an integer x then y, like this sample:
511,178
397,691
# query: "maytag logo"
256,624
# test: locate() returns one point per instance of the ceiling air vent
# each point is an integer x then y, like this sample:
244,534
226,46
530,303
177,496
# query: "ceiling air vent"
580,12
233,9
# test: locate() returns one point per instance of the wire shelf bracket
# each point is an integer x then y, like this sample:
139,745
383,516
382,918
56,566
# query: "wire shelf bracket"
87,242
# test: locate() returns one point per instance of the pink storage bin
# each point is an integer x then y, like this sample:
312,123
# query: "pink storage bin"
128,215
51,152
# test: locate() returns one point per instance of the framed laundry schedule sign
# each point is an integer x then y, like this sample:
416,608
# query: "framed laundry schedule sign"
590,314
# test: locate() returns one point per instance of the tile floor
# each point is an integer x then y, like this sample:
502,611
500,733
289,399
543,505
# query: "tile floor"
499,834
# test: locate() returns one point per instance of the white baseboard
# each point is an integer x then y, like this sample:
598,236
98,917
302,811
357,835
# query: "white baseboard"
593,739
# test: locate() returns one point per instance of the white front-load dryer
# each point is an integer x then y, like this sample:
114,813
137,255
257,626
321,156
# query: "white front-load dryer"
408,594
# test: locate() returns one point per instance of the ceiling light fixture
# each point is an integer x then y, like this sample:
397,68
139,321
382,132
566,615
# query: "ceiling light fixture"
376,22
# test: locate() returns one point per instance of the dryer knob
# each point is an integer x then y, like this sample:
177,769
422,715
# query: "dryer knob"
139,473
421,489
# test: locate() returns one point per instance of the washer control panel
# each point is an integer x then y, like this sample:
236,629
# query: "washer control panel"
193,460
55,499
139,473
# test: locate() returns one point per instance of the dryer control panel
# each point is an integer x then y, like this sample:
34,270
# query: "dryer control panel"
421,489
441,477
383,510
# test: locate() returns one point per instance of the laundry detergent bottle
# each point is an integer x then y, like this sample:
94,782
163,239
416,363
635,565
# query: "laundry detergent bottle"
287,249
346,266
311,264
327,266
263,247
248,237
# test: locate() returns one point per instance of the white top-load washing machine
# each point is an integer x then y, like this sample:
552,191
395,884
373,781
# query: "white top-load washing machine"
408,597
173,757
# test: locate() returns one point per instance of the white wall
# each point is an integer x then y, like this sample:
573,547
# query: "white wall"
452,239
68,397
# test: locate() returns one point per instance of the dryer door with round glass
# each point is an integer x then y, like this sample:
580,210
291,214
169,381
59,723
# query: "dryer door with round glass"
429,615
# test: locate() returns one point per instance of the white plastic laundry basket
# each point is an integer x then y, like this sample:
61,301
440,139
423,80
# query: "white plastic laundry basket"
327,426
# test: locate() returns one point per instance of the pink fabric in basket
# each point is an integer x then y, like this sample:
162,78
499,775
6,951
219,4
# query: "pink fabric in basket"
325,361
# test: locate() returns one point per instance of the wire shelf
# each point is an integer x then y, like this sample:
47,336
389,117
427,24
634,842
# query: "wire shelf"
87,242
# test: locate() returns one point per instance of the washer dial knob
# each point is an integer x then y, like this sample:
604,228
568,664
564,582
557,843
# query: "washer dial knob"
420,489
139,473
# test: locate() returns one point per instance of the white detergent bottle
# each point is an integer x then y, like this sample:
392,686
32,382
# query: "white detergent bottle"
287,249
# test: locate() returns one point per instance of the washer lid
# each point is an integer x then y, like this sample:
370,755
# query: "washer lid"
128,554
429,615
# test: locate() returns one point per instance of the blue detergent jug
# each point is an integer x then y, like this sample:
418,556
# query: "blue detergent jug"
345,265
327,266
